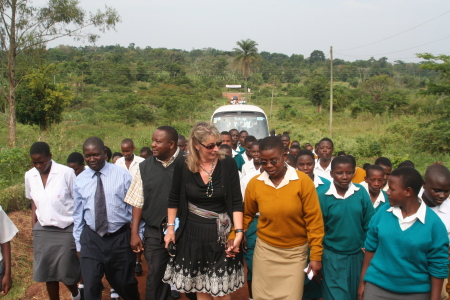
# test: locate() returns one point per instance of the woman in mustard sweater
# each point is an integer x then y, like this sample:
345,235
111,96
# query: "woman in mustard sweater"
290,220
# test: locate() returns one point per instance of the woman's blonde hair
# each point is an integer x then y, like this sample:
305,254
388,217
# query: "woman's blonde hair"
200,133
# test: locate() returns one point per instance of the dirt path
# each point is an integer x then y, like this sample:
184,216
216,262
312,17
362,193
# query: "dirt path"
22,267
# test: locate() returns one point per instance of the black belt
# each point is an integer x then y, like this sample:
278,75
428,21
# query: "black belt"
121,230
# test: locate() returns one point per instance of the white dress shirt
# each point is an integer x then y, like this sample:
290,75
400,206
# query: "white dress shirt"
443,211
134,166
380,199
407,222
248,168
350,191
54,203
291,174
319,171
7,229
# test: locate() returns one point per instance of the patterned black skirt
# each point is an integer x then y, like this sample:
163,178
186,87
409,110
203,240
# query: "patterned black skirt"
201,264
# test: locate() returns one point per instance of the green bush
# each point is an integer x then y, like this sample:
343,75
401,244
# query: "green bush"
13,165
367,147
13,198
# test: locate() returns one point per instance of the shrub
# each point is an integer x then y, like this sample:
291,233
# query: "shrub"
367,147
13,198
13,165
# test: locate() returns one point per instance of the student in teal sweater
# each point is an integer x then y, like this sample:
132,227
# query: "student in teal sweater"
347,210
406,253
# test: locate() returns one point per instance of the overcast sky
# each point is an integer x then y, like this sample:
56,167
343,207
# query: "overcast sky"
283,26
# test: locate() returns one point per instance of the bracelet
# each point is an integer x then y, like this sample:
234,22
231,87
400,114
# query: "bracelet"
171,224
239,230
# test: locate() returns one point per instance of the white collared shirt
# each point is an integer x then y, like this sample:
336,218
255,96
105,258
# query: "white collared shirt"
407,222
245,157
350,191
134,166
380,197
291,174
248,168
54,203
234,152
317,181
319,171
7,229
443,211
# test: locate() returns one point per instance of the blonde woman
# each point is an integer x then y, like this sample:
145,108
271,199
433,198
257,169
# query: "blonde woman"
206,197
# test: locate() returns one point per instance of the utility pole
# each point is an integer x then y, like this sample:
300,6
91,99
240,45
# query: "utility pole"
271,100
331,92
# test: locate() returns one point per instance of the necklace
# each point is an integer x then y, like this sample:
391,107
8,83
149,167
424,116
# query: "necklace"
210,187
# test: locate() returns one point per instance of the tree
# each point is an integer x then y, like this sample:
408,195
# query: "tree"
246,58
441,64
377,85
39,101
24,28
317,86
316,56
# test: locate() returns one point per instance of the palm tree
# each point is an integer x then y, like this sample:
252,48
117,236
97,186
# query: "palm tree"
246,58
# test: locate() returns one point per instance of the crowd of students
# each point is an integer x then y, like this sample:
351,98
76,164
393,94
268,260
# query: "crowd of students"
308,224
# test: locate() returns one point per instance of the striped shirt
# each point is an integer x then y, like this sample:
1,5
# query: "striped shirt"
116,182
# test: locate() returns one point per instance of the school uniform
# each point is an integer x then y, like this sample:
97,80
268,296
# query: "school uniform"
285,230
311,288
107,253
55,257
407,251
381,199
7,231
250,233
359,175
319,171
443,212
134,165
346,219
248,168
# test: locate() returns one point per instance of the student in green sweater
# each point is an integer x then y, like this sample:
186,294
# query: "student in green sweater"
406,253
347,210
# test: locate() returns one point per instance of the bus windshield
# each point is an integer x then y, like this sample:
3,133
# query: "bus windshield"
255,123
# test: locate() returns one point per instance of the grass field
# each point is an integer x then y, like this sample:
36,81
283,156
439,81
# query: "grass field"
308,126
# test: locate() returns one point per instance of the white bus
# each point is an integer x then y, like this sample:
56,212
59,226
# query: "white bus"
241,117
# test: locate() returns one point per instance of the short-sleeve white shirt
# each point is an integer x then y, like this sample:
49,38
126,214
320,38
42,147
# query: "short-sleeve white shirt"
7,229
319,171
443,211
54,203
248,168
134,166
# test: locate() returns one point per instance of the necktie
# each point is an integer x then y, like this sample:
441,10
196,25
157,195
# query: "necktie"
101,218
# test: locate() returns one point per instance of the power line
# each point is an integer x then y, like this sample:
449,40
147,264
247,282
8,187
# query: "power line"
397,33
397,50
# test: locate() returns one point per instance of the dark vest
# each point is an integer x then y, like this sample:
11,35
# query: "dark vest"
156,183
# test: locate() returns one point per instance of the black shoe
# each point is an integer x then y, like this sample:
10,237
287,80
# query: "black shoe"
175,294
191,296
138,268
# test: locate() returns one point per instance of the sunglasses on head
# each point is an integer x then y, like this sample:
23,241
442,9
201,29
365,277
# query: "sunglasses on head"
210,146
273,162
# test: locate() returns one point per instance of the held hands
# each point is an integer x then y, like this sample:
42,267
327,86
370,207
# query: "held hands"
316,267
170,236
136,243
232,246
